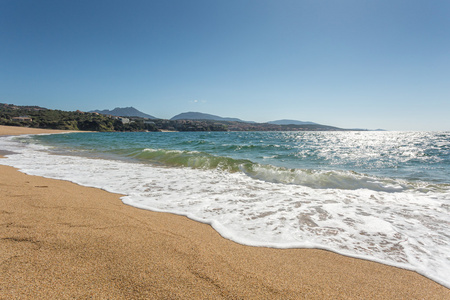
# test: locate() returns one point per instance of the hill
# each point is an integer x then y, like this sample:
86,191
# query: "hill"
202,116
291,122
124,112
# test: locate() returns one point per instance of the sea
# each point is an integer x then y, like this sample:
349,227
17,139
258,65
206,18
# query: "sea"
376,195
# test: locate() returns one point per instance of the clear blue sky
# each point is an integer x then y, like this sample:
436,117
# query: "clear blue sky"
366,64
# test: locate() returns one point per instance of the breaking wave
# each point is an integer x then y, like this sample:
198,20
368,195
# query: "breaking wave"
319,179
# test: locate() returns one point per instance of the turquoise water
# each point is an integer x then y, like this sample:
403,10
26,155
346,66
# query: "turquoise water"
381,196
411,156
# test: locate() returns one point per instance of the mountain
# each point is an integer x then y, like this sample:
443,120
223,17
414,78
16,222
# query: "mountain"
124,112
291,122
202,116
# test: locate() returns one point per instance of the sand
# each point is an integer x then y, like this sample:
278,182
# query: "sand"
12,130
59,240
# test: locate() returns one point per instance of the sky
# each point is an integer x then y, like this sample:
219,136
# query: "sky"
347,63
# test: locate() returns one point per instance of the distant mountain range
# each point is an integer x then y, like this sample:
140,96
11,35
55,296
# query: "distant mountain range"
189,121
291,122
124,112
202,116
133,112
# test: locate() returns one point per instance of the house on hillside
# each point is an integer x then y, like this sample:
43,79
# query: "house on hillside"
124,120
22,119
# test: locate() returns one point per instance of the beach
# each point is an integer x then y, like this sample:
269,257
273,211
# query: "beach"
62,240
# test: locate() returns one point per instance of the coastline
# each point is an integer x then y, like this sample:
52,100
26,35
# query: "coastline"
62,240
17,130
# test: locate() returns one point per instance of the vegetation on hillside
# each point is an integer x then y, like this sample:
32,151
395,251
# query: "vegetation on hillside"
38,117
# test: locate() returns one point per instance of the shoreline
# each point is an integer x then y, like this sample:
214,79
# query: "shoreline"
59,239
17,130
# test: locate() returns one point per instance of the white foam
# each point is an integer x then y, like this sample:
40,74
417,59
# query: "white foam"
408,229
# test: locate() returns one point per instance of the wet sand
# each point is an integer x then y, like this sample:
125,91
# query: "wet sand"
59,240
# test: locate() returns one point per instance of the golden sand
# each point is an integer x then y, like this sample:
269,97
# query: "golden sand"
59,240
12,130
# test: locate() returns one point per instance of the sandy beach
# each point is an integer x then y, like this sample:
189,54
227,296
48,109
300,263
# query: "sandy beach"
59,240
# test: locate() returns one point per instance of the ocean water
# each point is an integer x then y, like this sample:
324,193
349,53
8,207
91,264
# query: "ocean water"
380,196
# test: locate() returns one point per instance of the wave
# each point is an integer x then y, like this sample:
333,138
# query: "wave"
192,159
318,179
